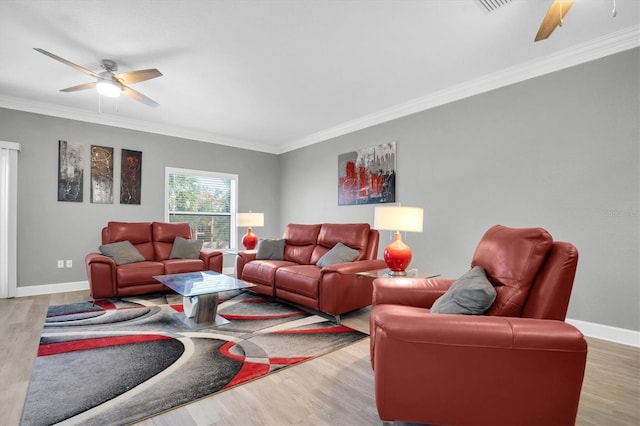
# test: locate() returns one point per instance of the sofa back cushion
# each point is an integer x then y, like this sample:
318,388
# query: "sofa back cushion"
551,291
164,234
353,235
372,245
137,233
300,242
512,259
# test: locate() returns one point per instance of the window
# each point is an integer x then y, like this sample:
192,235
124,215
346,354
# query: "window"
207,200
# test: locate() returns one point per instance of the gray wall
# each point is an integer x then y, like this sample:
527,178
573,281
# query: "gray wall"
559,151
49,230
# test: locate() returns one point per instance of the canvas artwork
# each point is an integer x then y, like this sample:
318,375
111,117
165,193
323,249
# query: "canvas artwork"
367,176
101,174
130,177
70,171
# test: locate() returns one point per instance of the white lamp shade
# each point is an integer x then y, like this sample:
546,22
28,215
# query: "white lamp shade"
250,219
398,218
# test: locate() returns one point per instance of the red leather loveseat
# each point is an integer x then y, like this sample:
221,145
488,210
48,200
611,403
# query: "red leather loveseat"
154,241
295,277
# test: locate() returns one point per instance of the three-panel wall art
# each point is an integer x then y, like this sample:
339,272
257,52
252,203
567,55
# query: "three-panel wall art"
71,173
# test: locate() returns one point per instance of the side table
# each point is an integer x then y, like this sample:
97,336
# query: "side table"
384,273
234,253
367,277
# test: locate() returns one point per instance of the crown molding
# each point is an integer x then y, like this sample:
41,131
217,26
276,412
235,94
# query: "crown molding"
610,44
25,105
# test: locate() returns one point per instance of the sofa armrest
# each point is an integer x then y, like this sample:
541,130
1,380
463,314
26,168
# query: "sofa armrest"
212,259
419,292
101,274
242,258
354,267
435,369
341,290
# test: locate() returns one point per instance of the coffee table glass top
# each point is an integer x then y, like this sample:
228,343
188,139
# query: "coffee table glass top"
203,282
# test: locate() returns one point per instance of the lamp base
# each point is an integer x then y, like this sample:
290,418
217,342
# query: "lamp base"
397,256
250,240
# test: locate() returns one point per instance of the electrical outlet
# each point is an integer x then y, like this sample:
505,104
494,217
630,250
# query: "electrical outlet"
69,263
60,263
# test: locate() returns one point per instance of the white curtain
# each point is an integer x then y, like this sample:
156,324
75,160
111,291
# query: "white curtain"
8,218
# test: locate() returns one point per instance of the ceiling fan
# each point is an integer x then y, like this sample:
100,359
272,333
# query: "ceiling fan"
107,82
553,19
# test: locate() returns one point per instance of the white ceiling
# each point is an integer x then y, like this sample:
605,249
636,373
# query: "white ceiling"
275,75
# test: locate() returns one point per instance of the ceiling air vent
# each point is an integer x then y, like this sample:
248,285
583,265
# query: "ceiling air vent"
491,5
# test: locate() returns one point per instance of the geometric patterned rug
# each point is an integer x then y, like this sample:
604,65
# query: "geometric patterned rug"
119,361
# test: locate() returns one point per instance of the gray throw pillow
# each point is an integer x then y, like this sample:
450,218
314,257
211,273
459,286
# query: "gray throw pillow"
270,249
122,252
471,294
185,249
338,254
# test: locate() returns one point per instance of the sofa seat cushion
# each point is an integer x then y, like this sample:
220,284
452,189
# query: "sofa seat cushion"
138,273
263,271
299,279
179,266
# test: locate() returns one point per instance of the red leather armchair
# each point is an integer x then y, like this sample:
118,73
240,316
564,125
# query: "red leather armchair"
518,364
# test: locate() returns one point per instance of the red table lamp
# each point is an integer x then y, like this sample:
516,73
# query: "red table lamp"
397,255
249,220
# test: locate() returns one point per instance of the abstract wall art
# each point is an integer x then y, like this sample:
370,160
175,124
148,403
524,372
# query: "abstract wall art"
70,171
367,176
101,174
130,177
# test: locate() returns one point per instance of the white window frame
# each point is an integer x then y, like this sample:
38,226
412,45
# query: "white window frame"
204,173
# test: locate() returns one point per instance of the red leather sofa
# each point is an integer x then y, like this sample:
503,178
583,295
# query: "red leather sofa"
154,240
520,364
333,289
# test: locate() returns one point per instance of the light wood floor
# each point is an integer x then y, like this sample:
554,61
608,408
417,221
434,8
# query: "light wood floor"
335,389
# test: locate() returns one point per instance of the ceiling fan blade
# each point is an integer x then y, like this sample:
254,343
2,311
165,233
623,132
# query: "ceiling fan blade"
134,94
84,86
64,61
138,76
553,18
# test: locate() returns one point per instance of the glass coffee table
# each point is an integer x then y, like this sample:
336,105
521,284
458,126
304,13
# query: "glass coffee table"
199,291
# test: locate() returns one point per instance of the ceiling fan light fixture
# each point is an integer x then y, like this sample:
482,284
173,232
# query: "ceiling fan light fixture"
108,88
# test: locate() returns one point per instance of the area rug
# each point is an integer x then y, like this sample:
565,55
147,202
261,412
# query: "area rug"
121,360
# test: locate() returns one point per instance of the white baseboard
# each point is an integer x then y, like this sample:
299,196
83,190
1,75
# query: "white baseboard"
37,290
606,332
589,329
